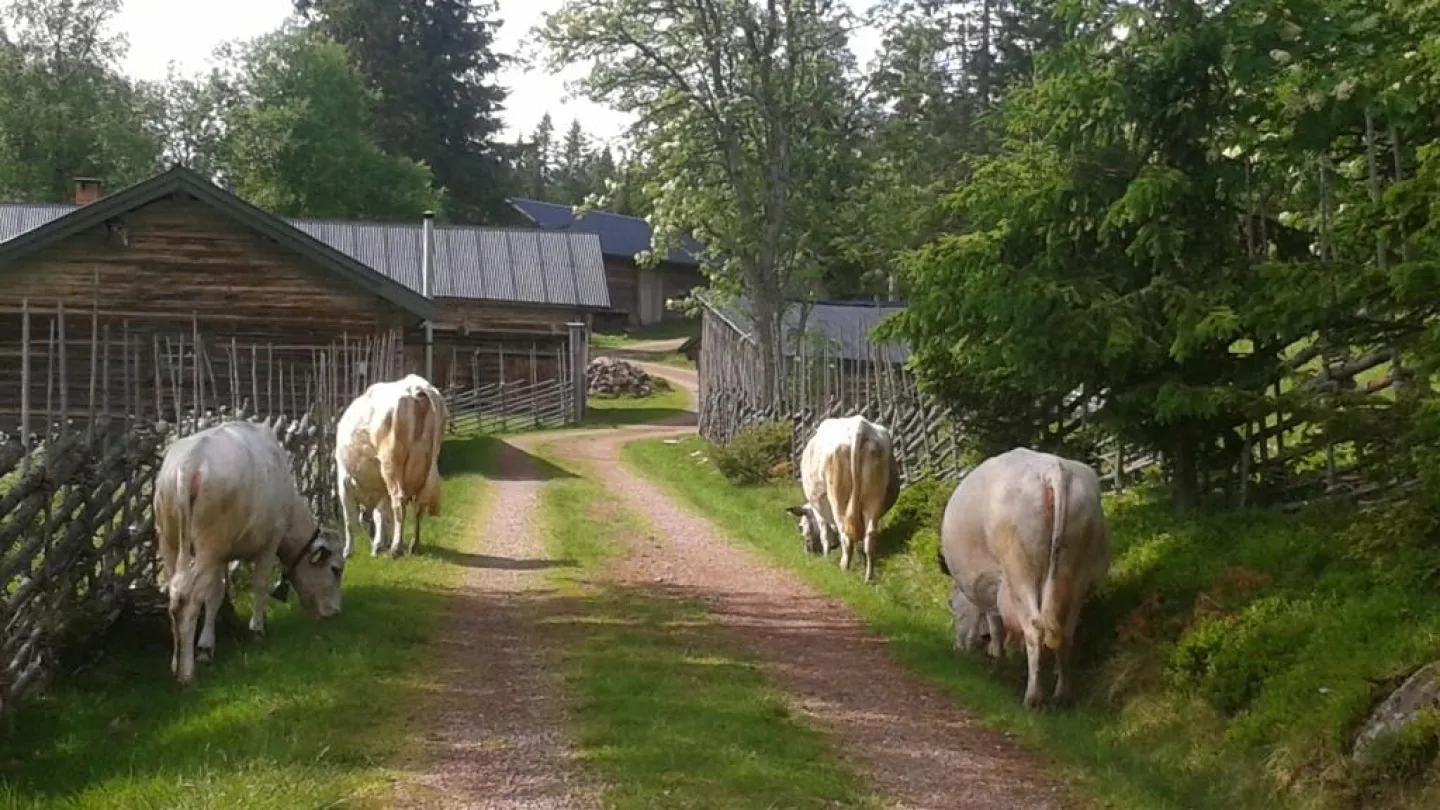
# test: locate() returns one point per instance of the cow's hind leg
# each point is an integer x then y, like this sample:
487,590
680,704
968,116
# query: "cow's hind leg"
187,596
214,599
397,539
349,510
1064,660
1034,650
260,593
869,549
381,518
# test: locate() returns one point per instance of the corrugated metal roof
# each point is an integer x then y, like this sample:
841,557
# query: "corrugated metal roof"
495,264
846,323
620,235
17,219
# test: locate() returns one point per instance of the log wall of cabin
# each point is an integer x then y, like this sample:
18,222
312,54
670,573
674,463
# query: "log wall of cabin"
483,342
180,265
622,280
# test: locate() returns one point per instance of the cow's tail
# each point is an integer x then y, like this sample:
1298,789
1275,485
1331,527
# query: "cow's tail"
854,511
1055,597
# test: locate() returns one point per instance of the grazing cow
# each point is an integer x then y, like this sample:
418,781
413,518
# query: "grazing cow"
387,449
1024,538
851,479
227,494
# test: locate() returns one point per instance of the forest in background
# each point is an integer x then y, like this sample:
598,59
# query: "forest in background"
376,109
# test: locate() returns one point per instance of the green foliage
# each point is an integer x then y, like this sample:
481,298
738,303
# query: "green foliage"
747,127
753,453
431,68
299,144
918,510
65,109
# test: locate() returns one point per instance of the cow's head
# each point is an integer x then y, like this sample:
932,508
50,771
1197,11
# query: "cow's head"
315,570
972,630
809,525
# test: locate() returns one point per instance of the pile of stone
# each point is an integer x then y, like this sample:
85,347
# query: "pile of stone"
609,377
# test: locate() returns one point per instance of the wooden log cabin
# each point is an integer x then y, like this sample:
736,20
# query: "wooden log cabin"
637,294
158,263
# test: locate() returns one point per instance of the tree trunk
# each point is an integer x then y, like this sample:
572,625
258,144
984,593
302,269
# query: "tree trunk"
1184,472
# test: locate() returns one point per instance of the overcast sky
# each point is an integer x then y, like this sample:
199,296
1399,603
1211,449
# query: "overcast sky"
187,32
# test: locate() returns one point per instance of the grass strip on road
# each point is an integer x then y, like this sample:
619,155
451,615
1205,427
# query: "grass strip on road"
311,716
1124,763
621,411
669,712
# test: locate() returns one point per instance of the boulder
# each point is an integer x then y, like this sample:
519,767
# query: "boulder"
610,377
1416,698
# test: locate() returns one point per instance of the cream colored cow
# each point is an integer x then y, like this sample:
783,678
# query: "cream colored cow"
1025,540
227,494
387,450
851,479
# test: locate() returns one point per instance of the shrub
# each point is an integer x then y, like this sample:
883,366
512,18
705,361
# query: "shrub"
753,453
920,507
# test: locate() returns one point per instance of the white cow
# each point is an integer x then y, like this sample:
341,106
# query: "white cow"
387,449
851,479
226,494
1024,538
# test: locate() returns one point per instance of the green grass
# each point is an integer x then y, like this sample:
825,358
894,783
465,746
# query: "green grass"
1228,659
669,713
669,330
617,411
311,716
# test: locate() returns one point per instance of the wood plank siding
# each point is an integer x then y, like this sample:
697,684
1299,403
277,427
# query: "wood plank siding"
182,257
177,264
483,342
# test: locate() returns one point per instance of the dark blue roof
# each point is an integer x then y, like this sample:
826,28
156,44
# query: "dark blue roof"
621,236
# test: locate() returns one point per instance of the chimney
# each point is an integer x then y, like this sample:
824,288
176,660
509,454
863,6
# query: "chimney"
88,190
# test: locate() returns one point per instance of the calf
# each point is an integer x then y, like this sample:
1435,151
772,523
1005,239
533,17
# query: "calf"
387,451
1024,538
227,494
851,479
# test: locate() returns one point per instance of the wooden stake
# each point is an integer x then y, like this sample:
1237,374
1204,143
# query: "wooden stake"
25,386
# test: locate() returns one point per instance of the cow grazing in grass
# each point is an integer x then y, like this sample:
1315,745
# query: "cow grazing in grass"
387,451
227,494
850,479
1024,538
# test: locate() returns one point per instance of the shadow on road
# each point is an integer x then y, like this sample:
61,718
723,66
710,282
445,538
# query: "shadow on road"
469,560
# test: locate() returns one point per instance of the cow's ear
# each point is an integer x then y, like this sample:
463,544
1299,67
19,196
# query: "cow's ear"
797,511
281,591
320,555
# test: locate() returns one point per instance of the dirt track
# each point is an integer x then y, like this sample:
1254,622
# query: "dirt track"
499,736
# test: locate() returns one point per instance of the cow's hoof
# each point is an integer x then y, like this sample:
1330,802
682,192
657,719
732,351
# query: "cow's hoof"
204,654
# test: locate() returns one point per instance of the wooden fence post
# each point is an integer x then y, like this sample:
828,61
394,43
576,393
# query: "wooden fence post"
579,362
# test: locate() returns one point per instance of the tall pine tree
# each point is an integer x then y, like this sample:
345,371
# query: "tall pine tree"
433,64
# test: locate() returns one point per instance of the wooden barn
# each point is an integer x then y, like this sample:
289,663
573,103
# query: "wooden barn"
637,295
121,287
